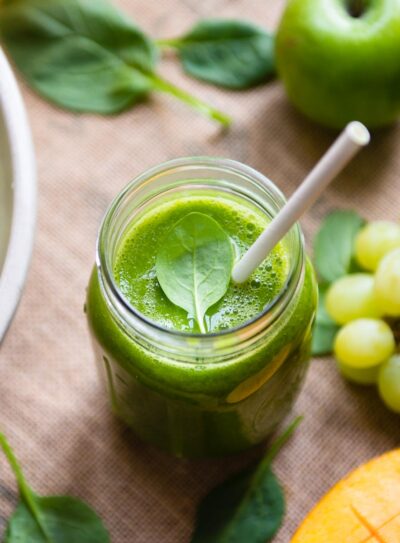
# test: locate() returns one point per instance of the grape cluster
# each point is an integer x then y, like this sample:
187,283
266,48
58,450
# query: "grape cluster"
367,305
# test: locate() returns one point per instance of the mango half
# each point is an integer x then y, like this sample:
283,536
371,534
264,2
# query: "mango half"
364,507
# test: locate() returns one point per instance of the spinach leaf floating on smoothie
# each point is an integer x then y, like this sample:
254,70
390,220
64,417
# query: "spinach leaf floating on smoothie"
325,328
334,245
50,519
249,507
85,55
194,264
228,53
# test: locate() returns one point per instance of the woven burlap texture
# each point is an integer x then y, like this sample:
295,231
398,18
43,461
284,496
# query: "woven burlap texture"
52,407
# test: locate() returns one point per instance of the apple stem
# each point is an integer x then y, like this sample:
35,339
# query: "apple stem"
356,8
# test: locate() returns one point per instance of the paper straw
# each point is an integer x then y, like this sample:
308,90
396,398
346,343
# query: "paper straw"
350,141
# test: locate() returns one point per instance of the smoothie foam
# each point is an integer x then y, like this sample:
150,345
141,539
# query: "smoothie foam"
135,273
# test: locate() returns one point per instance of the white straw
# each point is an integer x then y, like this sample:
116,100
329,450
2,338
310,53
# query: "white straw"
350,141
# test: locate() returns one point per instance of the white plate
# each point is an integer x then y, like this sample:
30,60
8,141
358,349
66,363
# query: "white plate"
17,195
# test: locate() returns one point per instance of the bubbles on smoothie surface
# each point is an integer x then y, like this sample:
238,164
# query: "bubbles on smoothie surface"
135,274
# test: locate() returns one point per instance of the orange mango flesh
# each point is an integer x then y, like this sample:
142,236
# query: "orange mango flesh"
364,507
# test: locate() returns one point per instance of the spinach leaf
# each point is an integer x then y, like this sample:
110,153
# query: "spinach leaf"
325,328
333,256
52,519
333,246
249,507
194,264
85,55
68,54
228,53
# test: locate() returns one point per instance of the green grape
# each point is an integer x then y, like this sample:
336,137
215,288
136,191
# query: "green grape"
364,343
360,376
374,241
352,297
389,383
387,284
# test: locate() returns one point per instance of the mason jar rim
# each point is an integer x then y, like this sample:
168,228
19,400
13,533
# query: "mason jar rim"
123,308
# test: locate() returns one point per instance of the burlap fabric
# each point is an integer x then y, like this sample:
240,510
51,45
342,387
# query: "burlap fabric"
52,407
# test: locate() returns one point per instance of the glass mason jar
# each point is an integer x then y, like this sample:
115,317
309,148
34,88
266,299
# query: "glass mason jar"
200,395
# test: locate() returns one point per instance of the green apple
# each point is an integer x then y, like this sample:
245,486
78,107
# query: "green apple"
339,60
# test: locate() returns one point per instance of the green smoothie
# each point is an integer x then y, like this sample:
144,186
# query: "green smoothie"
135,272
193,406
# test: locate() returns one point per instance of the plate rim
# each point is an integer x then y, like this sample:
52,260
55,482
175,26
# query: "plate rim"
23,221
